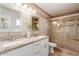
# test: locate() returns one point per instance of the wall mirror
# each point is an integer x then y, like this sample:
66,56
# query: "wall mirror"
9,19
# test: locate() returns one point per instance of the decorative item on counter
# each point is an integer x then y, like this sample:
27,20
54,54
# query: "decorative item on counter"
28,30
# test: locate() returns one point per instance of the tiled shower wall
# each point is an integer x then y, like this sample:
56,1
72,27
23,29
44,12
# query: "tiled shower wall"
67,35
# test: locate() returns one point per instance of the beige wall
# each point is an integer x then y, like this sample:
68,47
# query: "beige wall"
43,25
27,18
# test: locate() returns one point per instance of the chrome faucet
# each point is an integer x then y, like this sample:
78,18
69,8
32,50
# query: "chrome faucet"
11,36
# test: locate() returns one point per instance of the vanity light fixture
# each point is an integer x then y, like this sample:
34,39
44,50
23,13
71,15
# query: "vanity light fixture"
37,25
30,9
26,8
58,24
19,4
55,23
34,11
27,12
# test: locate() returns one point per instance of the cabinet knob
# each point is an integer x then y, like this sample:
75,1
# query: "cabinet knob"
37,52
45,46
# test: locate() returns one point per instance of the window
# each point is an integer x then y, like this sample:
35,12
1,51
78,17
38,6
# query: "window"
18,23
35,23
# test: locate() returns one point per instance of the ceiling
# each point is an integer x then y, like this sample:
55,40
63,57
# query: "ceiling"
50,10
56,9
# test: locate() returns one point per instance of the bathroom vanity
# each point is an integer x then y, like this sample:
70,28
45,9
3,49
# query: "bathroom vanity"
14,24
34,46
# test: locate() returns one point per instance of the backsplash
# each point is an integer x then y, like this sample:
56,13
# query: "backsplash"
8,35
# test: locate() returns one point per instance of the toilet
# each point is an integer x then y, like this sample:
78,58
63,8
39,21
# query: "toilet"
51,47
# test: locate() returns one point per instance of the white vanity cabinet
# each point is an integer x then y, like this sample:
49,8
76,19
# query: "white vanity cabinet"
41,48
37,48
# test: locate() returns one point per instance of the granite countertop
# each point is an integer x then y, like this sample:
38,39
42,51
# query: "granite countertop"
8,45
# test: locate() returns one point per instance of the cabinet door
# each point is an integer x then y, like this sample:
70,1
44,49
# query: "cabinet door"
22,51
36,48
44,47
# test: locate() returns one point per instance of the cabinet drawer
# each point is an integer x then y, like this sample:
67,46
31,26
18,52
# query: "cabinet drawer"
37,48
36,45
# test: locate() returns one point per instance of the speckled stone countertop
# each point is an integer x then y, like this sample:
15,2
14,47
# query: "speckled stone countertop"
8,45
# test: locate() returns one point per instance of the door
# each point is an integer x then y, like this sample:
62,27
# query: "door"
36,48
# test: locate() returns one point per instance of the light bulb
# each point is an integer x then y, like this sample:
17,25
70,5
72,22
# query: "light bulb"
34,11
27,12
54,22
58,24
25,6
30,9
37,25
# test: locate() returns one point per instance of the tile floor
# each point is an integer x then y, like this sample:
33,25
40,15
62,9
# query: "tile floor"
64,52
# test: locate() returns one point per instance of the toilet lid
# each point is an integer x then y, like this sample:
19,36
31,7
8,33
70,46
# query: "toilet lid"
52,44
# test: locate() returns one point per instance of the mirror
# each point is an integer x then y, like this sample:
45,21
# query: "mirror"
3,23
35,23
9,19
